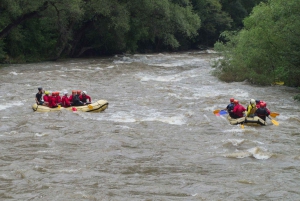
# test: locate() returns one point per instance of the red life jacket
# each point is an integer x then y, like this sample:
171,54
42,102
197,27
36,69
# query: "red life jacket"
58,99
238,110
85,98
65,101
52,101
46,98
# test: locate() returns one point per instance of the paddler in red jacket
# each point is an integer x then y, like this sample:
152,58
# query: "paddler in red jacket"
65,100
52,101
46,98
57,98
238,110
74,92
85,98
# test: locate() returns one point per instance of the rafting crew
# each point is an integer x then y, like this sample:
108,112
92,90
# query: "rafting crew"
57,98
255,108
46,98
251,108
38,97
238,110
53,99
262,112
230,107
76,99
85,98
65,100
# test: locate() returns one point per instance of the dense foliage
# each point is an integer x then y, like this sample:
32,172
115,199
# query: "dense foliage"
33,30
267,49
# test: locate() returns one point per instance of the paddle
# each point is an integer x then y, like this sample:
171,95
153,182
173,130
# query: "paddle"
90,107
216,111
274,114
242,126
274,121
222,112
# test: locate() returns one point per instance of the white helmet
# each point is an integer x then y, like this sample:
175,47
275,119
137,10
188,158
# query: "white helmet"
252,101
84,92
65,92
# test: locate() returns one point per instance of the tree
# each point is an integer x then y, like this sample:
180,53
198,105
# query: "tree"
214,20
268,48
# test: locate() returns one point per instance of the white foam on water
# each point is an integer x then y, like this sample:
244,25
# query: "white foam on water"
44,151
236,142
175,120
15,73
131,118
40,135
260,153
110,67
8,105
257,142
211,51
78,69
167,78
256,152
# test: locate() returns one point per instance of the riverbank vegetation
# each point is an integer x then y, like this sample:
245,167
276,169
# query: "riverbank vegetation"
267,49
38,30
259,40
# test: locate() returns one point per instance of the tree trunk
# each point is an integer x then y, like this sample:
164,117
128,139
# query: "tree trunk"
78,37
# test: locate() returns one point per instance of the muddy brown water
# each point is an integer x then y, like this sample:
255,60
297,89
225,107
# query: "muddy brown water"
158,139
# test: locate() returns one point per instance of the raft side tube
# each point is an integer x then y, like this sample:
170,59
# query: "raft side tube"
253,121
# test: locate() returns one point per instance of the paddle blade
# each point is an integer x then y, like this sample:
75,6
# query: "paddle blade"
274,114
90,107
242,126
59,106
216,111
275,122
223,112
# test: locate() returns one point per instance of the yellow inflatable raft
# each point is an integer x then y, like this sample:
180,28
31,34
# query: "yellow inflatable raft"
250,121
98,106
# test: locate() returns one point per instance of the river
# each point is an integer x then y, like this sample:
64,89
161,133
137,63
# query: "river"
157,140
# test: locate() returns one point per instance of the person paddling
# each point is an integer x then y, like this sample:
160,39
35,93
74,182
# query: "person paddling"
76,100
46,98
38,97
52,100
71,96
65,100
85,98
251,108
230,107
57,98
238,110
262,112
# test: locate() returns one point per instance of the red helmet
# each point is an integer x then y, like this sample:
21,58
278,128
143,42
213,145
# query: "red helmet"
79,92
231,100
263,104
236,102
74,92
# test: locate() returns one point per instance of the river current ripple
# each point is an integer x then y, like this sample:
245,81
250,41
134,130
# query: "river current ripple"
158,139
